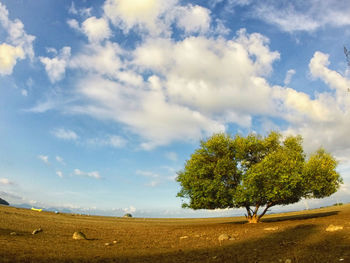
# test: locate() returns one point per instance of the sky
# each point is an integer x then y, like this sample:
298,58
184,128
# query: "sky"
102,102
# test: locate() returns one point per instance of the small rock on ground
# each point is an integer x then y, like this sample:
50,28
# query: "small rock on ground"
115,242
274,228
184,237
107,244
288,261
224,237
36,231
79,235
13,234
332,228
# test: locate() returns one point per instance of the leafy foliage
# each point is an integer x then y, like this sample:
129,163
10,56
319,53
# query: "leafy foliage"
3,202
255,171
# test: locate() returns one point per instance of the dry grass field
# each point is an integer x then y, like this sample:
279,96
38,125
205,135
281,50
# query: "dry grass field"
290,237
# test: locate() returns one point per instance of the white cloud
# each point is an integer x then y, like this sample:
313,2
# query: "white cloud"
318,68
59,174
289,75
8,57
304,15
65,134
96,29
193,19
56,67
93,174
102,59
147,15
199,85
6,181
73,23
44,158
18,43
326,115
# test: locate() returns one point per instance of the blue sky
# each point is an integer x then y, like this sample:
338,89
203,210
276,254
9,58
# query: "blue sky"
102,102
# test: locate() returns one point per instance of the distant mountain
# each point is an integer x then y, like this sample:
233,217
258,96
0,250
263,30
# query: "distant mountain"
3,202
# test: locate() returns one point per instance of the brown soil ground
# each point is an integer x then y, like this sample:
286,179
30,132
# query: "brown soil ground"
299,237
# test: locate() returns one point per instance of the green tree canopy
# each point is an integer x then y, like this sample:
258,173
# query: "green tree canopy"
254,172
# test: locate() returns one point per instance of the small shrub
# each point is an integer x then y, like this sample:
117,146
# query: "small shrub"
338,204
127,215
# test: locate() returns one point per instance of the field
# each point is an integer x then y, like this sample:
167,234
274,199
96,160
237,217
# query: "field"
290,237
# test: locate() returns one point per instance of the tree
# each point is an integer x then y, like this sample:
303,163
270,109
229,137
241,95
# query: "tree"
255,172
3,202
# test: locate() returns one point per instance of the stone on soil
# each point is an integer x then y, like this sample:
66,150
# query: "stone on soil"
79,235
36,231
274,228
332,228
224,237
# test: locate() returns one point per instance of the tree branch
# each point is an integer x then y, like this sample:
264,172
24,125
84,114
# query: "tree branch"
265,210
256,209
248,211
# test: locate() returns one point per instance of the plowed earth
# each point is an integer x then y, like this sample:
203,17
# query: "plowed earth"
298,237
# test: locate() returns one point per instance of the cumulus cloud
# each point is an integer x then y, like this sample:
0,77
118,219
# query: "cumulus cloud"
151,16
18,45
326,115
59,174
65,134
96,29
73,23
8,58
103,59
304,15
56,66
93,174
44,158
198,85
193,19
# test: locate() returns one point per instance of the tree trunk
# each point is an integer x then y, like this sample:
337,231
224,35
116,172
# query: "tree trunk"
253,219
